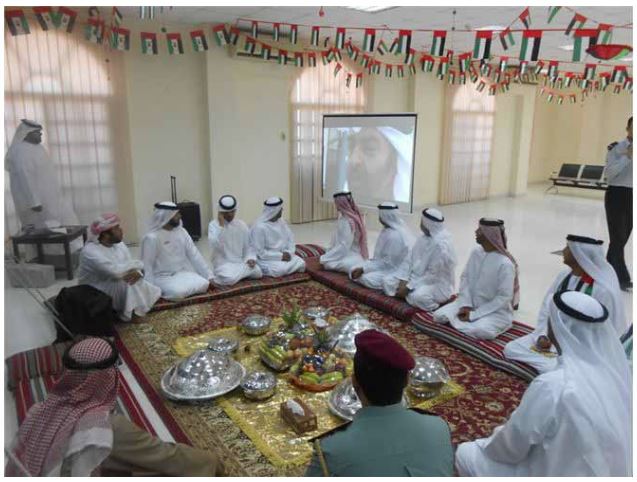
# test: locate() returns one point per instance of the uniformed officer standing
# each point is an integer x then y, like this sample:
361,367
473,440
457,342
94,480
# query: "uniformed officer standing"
385,439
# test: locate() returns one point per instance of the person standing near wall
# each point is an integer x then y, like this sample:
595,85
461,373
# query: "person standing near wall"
619,203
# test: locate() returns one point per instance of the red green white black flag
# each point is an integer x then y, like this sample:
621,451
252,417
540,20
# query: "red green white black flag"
199,42
17,22
149,43
175,45
219,32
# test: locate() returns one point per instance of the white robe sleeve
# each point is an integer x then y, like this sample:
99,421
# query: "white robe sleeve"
416,279
195,257
291,247
258,240
464,293
504,293
534,420
149,255
543,315
342,244
95,260
248,250
214,237
617,160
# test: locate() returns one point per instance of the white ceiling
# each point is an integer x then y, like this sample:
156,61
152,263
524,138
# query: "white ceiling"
412,18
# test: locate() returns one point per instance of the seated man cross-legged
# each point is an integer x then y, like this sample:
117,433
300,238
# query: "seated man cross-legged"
489,289
233,258
106,264
171,259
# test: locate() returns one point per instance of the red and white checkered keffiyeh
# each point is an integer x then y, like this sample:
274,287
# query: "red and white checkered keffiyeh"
74,418
497,237
348,208
105,222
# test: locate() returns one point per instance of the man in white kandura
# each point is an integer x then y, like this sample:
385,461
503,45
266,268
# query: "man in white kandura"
489,287
574,420
106,264
349,244
273,242
171,259
588,272
392,247
426,278
233,258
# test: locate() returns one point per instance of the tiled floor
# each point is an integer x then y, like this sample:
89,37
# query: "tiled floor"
537,224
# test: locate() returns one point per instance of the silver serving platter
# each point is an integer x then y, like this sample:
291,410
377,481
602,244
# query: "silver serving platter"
428,377
344,332
256,324
258,385
223,345
315,312
202,376
344,402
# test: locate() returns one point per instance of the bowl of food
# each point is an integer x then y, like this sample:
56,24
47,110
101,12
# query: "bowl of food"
280,350
256,325
428,377
223,345
320,369
344,332
258,385
344,401
314,312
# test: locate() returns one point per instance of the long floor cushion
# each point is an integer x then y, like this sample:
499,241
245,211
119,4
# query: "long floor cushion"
305,251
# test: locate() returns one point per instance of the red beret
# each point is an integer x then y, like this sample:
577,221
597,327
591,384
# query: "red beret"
382,349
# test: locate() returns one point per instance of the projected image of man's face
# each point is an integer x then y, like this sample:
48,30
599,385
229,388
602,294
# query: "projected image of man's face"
372,160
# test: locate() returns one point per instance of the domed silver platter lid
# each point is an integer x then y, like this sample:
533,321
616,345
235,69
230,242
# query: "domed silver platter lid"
344,402
428,377
202,376
344,332
316,312
258,385
223,345
256,324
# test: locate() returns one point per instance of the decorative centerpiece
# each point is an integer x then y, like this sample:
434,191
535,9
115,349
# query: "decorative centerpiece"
256,325
428,377
320,367
297,414
258,385
344,332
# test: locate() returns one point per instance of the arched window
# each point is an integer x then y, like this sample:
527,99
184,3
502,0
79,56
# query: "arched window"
61,81
316,91
469,134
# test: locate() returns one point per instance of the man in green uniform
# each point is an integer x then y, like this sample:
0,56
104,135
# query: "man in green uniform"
385,439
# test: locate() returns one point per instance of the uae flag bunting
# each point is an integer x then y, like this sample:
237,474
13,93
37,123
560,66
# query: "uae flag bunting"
464,60
485,69
589,71
369,40
452,77
552,72
604,80
552,13
175,45
65,19
549,98
311,59
506,38
482,45
219,33
294,34
410,56
628,84
462,79
382,47
276,31
330,55
337,69
605,33
400,71
617,89
45,17
573,98
443,68
149,43
199,42
473,76
255,29
412,69
580,34
234,35
314,38
298,59
503,64
450,56
359,80
492,88
340,38
525,17
619,73
538,68
249,45
283,57
325,57
17,22
577,22
523,67
570,76
337,54
404,41
481,86
498,76
394,47
427,63
120,38
388,71
560,100
365,61
376,67
94,31
348,80
117,17
438,43
530,48
266,52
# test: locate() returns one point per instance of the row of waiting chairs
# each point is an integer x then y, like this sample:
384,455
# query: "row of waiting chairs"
583,176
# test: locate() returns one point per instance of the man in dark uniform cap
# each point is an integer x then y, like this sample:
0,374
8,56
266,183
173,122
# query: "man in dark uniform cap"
385,439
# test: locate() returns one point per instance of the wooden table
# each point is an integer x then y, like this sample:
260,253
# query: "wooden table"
40,238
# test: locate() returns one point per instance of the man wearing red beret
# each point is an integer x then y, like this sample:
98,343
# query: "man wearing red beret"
385,439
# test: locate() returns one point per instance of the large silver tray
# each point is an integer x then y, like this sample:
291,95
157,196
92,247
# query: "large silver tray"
214,386
344,402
